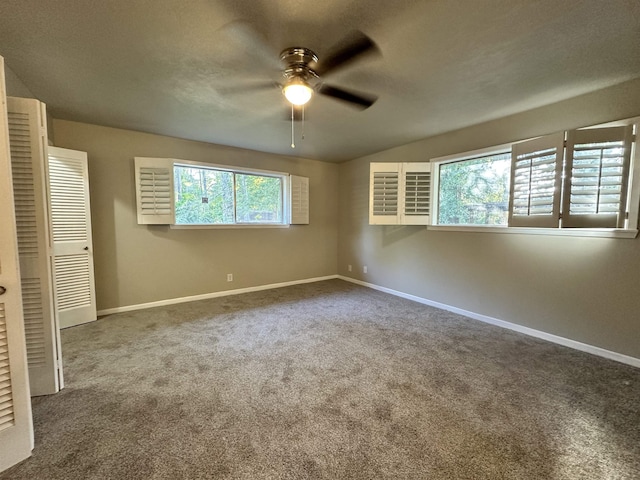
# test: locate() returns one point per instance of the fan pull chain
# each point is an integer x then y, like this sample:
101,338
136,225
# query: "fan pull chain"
302,122
293,143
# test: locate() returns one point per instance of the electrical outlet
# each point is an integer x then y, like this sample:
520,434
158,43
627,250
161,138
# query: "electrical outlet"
364,269
349,267
229,277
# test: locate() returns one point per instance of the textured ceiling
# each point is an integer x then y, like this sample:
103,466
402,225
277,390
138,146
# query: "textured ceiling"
171,67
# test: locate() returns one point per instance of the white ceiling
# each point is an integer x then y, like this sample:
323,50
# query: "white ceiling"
162,66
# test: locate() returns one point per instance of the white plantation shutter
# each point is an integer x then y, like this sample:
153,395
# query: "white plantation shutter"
16,428
154,190
28,139
536,173
399,193
384,193
72,246
416,209
597,177
299,188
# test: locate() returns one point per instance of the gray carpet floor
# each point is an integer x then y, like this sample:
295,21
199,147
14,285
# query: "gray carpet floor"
329,381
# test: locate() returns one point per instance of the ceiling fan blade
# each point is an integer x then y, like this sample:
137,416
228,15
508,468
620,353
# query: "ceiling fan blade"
358,100
354,46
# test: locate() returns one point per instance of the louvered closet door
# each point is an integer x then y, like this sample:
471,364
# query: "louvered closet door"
72,259
28,139
16,429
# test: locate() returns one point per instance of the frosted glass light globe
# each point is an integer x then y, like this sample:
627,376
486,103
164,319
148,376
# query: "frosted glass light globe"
298,92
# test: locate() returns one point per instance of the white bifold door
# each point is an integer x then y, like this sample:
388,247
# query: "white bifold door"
72,248
28,142
16,427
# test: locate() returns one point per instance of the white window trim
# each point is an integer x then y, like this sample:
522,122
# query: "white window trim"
633,206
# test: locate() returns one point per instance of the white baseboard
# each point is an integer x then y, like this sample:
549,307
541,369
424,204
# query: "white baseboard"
601,352
204,296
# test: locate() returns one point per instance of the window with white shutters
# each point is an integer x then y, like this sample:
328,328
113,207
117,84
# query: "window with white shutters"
591,180
400,193
185,193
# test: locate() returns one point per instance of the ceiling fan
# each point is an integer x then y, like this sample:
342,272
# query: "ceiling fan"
303,72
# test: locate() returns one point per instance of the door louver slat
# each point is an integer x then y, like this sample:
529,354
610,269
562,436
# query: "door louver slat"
34,322
7,417
68,207
73,281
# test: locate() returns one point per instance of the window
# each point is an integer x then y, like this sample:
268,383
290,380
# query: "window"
584,181
207,196
580,179
474,191
173,192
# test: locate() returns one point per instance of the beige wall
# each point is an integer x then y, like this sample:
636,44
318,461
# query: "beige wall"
585,289
136,264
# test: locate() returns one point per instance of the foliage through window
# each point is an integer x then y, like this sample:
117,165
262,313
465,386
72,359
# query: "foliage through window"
207,196
475,191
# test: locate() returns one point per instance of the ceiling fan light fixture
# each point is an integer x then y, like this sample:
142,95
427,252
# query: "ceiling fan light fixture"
297,91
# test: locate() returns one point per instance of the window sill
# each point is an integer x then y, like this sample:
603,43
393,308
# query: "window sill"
566,232
235,226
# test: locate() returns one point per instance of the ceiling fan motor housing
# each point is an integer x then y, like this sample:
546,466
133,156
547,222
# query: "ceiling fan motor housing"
299,62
